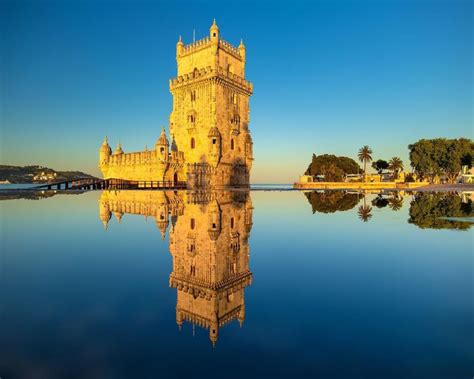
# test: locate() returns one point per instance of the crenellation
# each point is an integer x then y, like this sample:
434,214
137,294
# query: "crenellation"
230,48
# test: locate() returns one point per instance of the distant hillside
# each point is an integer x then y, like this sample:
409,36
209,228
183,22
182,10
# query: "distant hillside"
37,174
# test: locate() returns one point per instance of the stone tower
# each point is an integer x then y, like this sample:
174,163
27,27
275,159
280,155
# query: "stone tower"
210,116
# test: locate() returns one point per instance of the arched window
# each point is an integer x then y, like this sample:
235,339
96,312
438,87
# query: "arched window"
193,223
193,143
235,120
232,223
192,95
232,144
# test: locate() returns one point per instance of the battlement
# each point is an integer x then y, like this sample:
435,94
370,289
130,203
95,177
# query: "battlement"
207,42
141,157
195,46
209,73
224,45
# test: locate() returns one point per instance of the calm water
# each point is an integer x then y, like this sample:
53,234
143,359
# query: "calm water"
242,285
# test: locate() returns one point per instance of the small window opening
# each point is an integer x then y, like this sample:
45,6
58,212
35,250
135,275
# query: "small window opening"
193,143
214,226
193,223
232,144
232,222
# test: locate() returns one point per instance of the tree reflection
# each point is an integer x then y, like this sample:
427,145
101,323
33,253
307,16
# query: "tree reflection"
395,202
440,211
365,211
330,202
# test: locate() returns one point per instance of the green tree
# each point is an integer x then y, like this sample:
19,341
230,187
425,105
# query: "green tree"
395,165
333,168
365,156
380,165
440,156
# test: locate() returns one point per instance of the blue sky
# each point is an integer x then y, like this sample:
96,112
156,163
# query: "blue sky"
329,76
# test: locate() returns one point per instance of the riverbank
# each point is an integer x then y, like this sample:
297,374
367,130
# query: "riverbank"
447,188
358,185
422,187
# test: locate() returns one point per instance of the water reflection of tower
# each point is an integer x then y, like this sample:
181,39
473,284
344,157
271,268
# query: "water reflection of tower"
209,245
208,242
156,204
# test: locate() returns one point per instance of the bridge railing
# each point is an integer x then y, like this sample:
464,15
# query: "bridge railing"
92,184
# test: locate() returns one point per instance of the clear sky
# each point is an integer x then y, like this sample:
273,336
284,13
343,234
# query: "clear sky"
329,76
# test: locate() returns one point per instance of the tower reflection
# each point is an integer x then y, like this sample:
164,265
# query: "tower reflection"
208,240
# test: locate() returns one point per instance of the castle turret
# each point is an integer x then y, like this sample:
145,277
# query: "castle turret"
162,219
118,216
162,146
179,318
214,32
174,149
248,151
215,146
118,150
214,228
242,53
179,47
214,329
104,213
104,152
241,315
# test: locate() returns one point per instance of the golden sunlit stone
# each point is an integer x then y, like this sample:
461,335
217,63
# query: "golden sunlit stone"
211,145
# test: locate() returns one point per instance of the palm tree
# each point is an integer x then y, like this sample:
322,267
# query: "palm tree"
396,165
365,156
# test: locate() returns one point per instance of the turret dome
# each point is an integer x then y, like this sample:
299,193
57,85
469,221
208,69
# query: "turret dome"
173,145
214,27
214,32
118,150
105,147
214,132
162,140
